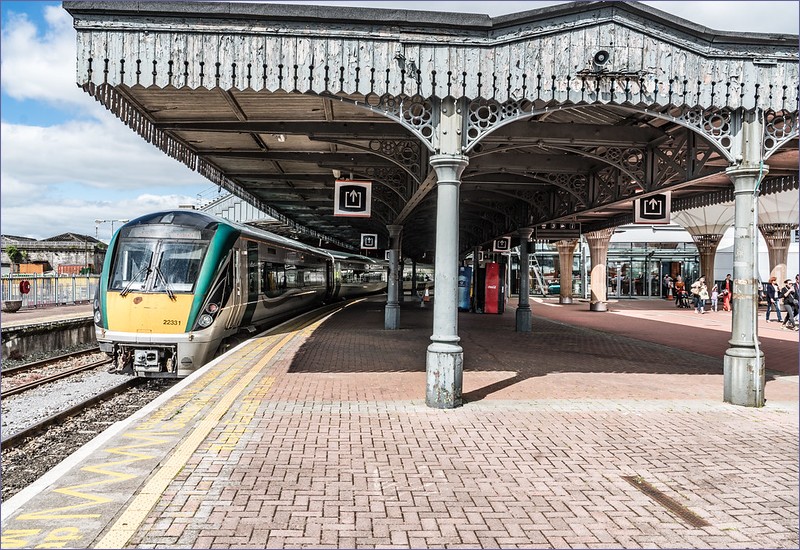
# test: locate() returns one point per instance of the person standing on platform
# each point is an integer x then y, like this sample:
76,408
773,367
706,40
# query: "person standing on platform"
727,292
790,305
680,288
700,295
714,298
773,298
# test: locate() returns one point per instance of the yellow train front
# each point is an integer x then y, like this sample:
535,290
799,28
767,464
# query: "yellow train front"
176,284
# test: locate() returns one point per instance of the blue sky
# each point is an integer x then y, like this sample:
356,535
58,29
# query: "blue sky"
66,162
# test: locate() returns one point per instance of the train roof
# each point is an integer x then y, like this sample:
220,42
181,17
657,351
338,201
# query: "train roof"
338,255
202,220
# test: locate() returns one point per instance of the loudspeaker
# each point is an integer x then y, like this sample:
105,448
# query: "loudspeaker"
601,58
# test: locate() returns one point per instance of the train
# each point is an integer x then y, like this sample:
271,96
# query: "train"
178,284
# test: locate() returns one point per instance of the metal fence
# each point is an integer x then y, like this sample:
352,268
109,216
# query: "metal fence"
49,290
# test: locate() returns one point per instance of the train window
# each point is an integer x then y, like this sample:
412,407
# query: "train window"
252,268
292,280
314,277
273,279
179,266
131,265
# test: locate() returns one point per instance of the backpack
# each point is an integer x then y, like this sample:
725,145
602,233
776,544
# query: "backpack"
696,288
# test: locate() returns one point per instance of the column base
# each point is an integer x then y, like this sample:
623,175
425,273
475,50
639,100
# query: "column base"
598,306
391,317
565,299
742,385
523,320
444,376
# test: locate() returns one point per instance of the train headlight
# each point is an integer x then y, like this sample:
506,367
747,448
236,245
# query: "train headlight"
212,308
98,317
205,320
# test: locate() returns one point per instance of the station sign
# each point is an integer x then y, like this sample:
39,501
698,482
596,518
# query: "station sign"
557,231
369,241
352,198
654,209
503,244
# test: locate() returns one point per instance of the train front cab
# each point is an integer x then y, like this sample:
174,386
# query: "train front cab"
163,286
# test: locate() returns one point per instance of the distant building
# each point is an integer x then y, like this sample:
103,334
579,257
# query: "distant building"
68,253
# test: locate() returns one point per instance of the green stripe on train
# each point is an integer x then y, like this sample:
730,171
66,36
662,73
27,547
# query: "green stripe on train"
224,238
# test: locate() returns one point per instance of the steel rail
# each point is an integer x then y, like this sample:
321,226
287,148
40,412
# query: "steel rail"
16,439
63,374
44,362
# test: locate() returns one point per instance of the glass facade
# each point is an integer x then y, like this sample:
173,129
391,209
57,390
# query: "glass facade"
633,269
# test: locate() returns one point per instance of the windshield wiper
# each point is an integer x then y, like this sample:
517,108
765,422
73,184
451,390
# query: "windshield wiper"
167,286
125,291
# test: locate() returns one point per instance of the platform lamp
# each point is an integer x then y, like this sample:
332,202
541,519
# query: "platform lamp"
112,222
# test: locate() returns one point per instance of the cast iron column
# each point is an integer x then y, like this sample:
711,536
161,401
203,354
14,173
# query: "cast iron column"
566,254
744,362
445,357
744,367
414,279
401,293
473,303
524,308
392,311
598,252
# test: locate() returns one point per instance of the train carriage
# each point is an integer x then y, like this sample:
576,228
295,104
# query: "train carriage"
178,283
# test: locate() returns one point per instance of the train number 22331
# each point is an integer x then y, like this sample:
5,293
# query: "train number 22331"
171,322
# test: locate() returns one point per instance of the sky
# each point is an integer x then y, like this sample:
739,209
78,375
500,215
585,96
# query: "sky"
66,162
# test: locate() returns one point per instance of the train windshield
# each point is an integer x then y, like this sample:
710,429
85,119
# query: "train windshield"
132,265
178,266
157,266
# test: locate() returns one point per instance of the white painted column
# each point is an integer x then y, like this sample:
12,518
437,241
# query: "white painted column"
778,236
566,254
524,309
445,357
392,310
598,251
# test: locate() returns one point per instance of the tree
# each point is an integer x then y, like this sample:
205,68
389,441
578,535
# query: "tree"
15,255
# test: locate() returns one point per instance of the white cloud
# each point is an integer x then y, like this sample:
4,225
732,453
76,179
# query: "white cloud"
41,66
61,177
102,154
47,216
764,17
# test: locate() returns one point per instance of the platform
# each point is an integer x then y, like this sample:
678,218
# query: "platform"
594,430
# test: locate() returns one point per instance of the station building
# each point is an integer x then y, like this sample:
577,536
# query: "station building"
460,129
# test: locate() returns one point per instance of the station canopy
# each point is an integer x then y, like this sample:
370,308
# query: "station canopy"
569,113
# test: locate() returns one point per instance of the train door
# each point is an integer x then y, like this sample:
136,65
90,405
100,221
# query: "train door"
236,298
252,283
331,280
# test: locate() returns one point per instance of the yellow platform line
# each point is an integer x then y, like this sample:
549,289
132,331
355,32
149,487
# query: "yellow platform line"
134,515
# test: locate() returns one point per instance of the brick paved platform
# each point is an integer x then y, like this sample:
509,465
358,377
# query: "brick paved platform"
595,430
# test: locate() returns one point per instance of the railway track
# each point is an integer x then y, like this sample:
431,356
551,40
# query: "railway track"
19,369
18,438
52,378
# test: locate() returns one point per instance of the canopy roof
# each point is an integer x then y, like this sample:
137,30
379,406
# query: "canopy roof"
570,112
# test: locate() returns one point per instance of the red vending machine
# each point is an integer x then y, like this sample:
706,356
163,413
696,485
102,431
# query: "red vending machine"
495,288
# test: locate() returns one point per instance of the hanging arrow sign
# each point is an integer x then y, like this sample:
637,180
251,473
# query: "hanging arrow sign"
352,199
654,209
